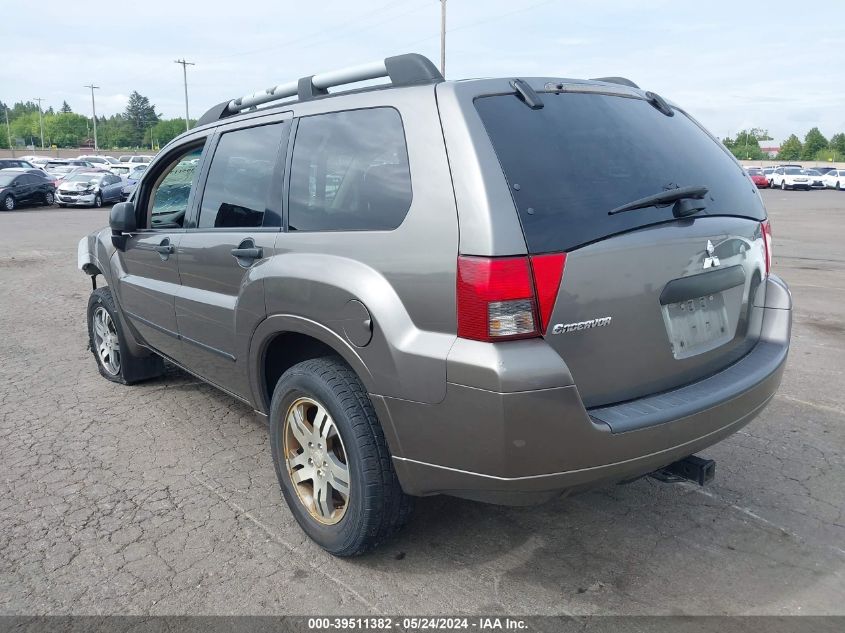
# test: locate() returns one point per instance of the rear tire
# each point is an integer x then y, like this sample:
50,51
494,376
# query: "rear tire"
783,185
49,198
107,342
323,428
837,187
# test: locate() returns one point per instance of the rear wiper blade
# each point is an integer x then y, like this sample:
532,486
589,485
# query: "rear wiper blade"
665,197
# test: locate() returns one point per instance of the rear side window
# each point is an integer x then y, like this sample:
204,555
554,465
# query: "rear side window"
349,172
240,178
582,155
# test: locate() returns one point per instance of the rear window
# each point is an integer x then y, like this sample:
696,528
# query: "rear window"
582,155
350,172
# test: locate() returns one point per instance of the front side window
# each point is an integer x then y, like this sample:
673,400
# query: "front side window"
172,190
350,172
240,178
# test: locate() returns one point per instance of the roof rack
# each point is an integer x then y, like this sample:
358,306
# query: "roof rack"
617,80
402,70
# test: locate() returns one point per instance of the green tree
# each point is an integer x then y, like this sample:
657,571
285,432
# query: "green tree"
65,108
837,144
746,145
140,114
790,149
814,142
65,129
166,130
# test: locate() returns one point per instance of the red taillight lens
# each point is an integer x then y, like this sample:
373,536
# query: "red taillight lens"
508,297
548,273
767,244
495,299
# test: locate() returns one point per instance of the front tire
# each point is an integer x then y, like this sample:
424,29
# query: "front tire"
783,185
332,460
98,201
9,203
107,342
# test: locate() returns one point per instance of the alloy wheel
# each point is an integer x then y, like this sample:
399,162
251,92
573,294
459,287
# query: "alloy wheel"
316,460
9,203
106,341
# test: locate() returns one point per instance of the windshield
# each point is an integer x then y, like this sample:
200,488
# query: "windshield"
92,178
6,179
583,155
792,170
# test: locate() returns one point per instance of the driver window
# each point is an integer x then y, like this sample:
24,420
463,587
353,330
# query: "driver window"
172,189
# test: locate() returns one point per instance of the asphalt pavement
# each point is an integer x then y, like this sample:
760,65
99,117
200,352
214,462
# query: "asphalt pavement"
161,498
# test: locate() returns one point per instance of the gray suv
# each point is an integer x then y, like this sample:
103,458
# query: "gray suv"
500,289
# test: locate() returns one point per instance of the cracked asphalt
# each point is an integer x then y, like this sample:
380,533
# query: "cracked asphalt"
161,498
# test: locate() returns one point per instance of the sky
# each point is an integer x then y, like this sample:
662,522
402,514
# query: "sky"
775,65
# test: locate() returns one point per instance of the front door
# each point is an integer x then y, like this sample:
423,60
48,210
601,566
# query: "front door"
221,299
148,280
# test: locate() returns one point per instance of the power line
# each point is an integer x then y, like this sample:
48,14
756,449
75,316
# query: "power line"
40,119
94,112
185,77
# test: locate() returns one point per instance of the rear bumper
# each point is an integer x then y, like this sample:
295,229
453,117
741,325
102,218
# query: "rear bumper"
511,444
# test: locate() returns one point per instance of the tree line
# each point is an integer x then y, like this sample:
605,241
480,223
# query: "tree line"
815,147
138,127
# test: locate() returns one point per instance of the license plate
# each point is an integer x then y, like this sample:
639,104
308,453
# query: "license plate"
697,325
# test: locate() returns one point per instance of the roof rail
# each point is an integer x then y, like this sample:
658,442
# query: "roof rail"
617,80
402,70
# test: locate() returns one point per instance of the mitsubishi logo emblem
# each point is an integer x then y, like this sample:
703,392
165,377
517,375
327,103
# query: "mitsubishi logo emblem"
711,261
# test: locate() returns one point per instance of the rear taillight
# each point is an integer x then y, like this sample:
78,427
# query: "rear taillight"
767,244
506,298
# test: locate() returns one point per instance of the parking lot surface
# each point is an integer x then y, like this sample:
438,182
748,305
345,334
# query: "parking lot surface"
161,498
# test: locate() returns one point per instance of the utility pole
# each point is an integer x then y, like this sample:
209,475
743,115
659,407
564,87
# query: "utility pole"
185,78
40,119
443,37
9,130
94,112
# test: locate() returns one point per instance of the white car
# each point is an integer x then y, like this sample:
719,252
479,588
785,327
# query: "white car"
815,177
130,172
834,179
102,162
790,178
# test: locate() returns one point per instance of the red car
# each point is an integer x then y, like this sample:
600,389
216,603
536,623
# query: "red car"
757,177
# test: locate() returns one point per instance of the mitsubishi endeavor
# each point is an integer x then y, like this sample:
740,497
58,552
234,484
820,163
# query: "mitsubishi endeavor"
500,289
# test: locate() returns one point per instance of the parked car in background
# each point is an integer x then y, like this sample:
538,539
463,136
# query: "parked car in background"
62,164
20,187
11,163
121,169
790,178
89,189
757,177
135,172
815,177
834,179
824,170
127,191
767,172
144,158
102,162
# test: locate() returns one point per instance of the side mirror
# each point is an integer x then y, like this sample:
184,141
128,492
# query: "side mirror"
122,221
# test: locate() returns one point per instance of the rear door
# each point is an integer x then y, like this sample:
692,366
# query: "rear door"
148,280
221,299
647,301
